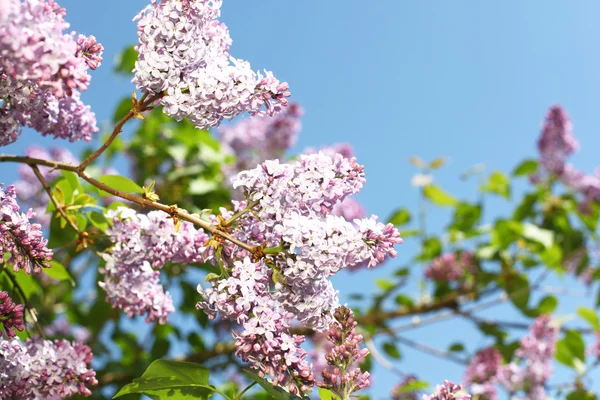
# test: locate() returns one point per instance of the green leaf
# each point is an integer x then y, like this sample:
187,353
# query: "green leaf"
200,186
518,290
325,394
27,283
122,110
276,392
466,216
527,167
391,350
73,180
121,183
125,60
384,284
569,348
456,347
543,236
400,217
59,272
438,196
581,394
590,316
414,386
173,379
497,183
437,163
98,220
547,305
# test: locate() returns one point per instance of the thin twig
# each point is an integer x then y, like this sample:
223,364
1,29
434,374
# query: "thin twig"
25,301
432,350
59,208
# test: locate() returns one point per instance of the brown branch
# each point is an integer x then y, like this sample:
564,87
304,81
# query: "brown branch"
25,301
143,105
171,210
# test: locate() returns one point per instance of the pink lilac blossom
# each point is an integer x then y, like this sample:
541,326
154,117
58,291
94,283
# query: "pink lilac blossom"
257,139
482,374
44,369
183,55
556,144
11,315
536,352
21,242
340,376
349,209
287,208
448,391
42,70
450,266
265,340
142,245
30,191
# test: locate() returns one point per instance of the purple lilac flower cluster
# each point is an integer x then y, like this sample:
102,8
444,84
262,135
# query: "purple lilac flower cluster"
42,71
340,376
594,349
556,144
450,266
448,391
21,242
257,139
44,369
61,327
142,245
30,191
482,373
11,315
287,207
183,55
536,351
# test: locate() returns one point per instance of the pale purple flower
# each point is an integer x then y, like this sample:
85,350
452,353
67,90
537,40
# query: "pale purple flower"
142,244
42,70
450,267
183,54
482,373
44,369
448,391
536,351
557,141
22,244
594,349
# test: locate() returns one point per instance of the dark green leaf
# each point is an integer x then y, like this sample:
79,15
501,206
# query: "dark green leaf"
174,379
391,350
400,217
121,183
125,60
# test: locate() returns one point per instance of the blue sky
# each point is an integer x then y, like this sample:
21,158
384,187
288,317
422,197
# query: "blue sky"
470,80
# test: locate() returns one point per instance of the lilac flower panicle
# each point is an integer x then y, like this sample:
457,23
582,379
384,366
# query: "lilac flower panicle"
184,54
451,267
11,315
341,376
482,373
42,71
557,141
448,391
594,349
44,369
287,208
143,244
536,350
257,139
21,242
